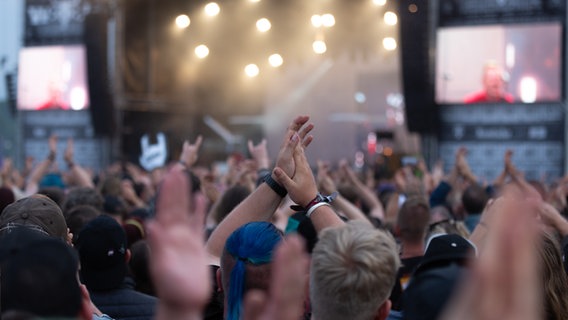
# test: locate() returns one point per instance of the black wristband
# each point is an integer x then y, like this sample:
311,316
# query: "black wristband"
275,186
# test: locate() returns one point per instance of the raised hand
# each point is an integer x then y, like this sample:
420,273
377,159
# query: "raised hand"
259,153
176,242
190,152
505,282
69,153
301,186
324,180
297,134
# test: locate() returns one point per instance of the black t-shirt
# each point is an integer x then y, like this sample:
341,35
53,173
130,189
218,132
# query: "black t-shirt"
408,265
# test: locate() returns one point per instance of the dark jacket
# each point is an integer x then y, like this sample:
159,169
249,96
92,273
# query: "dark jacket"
125,303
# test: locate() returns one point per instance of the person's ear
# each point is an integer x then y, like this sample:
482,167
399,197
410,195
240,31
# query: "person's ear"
384,310
87,307
127,256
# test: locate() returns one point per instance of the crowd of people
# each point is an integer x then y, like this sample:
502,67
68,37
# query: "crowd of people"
279,240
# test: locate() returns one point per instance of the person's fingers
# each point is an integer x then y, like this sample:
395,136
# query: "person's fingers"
298,122
199,211
254,304
305,130
198,141
173,198
282,178
250,146
289,277
306,142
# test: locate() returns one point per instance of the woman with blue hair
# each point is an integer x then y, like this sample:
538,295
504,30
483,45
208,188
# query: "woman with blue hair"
245,263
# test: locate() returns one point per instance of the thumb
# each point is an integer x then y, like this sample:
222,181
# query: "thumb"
282,178
254,302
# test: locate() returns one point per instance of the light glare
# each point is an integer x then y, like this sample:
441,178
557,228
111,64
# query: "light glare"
212,9
263,25
275,60
328,20
182,21
252,70
316,20
389,43
319,47
201,51
390,18
379,2
528,89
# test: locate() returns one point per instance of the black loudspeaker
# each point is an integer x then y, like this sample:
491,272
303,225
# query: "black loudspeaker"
416,43
102,106
11,90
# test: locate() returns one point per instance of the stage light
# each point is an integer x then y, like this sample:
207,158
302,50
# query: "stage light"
328,20
182,21
275,60
254,1
379,2
413,8
319,47
389,43
212,9
252,70
316,20
263,25
390,18
201,51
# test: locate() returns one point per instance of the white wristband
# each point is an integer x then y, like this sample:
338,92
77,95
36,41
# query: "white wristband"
314,207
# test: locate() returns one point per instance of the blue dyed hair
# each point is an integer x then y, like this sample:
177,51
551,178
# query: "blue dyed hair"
252,243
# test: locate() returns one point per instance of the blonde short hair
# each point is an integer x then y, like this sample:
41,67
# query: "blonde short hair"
353,271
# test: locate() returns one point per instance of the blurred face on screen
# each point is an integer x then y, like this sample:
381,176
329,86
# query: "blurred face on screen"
494,84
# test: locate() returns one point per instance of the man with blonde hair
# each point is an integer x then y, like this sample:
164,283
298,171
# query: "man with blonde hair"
353,271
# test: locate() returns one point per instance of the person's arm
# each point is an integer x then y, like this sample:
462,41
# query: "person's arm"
261,204
463,167
80,176
365,193
175,238
342,205
440,193
42,168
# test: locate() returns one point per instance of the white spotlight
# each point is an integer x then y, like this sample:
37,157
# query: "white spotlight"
201,51
319,47
389,43
252,70
275,60
390,18
182,21
379,2
212,9
263,25
316,20
328,20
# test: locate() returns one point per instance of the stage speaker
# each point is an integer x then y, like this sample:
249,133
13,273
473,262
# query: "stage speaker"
417,47
102,106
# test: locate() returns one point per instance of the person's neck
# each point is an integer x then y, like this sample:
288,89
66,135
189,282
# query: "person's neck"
410,250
